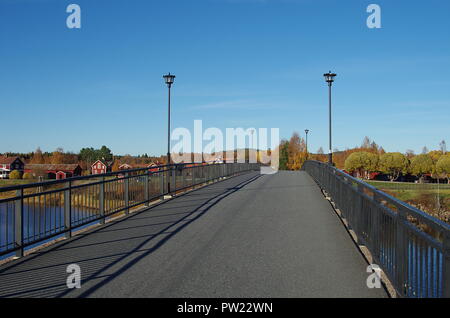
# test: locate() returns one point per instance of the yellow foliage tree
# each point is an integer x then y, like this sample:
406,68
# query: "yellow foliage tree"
115,166
296,152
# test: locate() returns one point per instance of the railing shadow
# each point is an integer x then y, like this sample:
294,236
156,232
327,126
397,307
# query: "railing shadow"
105,253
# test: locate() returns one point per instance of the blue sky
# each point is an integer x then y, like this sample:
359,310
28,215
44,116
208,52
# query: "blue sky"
239,63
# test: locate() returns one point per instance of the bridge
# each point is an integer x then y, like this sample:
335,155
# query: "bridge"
224,230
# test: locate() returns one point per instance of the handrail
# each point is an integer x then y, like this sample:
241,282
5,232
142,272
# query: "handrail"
411,246
44,211
92,176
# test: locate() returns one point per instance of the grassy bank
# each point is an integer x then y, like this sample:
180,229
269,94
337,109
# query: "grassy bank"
431,198
12,182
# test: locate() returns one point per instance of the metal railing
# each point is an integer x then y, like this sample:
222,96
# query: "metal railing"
37,213
412,247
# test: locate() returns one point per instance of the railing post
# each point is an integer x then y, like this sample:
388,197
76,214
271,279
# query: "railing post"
359,213
101,201
194,169
18,223
376,218
68,210
401,253
182,176
446,266
168,177
146,188
161,182
127,193
174,179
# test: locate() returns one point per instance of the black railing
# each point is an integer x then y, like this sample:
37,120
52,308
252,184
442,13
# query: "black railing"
33,214
412,247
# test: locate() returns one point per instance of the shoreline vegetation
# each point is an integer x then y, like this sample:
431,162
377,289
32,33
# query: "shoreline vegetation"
432,198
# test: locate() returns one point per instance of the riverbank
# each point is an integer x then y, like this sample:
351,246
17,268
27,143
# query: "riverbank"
431,198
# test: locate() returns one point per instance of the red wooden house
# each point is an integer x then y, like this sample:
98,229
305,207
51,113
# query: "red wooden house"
54,171
99,167
153,167
8,164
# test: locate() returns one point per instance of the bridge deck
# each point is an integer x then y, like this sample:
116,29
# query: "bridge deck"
248,236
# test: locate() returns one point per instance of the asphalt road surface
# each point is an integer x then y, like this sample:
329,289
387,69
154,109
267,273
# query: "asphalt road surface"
248,236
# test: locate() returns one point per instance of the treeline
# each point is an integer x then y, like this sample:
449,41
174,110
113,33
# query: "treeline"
394,164
85,158
370,158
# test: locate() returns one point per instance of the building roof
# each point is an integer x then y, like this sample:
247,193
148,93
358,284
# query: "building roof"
8,160
108,163
137,165
52,167
96,163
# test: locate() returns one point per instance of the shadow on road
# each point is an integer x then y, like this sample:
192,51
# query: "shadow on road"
109,251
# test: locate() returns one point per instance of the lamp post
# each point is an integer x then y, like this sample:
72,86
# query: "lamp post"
169,81
329,78
306,132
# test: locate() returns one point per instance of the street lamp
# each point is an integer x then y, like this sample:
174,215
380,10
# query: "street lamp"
329,78
169,81
306,132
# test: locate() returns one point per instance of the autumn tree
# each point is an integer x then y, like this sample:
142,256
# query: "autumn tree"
37,157
356,162
362,162
115,166
57,156
393,164
295,147
371,163
443,167
435,155
15,174
421,165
